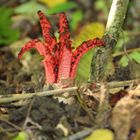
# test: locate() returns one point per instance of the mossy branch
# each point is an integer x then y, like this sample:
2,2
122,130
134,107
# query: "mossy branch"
101,66
116,18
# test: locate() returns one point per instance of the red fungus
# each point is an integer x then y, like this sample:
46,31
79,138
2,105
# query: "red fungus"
59,60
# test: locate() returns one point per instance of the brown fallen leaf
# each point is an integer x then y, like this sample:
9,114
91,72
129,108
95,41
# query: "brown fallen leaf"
124,116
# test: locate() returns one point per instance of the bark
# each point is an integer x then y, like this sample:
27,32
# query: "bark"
101,65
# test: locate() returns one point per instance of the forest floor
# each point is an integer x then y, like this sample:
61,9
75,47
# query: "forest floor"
74,117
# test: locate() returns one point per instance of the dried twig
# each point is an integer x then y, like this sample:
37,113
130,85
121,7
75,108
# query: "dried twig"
123,83
127,51
16,97
79,135
11,124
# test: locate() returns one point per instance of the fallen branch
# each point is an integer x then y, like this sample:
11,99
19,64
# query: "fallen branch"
16,97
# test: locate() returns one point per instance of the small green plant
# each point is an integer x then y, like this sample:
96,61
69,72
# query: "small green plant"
7,34
21,136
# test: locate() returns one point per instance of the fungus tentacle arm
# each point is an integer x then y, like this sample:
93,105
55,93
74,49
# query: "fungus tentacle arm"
38,45
65,53
80,51
64,34
48,61
49,71
33,44
47,32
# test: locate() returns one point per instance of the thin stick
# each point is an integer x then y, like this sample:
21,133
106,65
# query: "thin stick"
15,97
127,51
119,84
11,124
79,135
123,83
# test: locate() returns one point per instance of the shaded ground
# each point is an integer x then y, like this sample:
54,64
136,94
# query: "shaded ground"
46,117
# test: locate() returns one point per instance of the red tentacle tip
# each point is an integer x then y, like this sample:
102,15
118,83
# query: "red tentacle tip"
39,11
19,55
